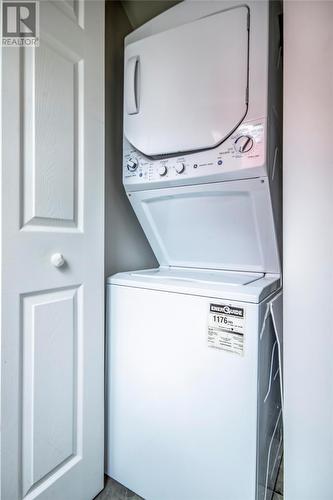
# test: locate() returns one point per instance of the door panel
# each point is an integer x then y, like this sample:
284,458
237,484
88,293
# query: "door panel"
56,91
52,319
52,79
51,382
74,9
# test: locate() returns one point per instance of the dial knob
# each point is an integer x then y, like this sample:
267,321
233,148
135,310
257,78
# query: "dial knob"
132,164
180,167
243,143
162,170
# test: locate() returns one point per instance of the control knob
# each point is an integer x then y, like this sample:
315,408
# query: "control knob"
132,164
180,167
162,170
244,143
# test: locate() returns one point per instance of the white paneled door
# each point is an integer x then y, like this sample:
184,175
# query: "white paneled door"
52,246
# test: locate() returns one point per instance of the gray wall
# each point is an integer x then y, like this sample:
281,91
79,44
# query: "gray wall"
126,247
308,249
141,11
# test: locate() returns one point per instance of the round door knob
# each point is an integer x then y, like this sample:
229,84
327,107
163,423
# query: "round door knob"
180,167
132,164
162,170
57,260
243,143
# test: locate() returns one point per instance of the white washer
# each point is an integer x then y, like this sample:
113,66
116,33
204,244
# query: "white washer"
194,347
193,388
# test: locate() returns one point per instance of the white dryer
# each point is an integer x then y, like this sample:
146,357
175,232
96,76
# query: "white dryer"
194,347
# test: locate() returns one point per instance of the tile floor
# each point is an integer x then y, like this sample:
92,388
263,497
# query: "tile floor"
115,491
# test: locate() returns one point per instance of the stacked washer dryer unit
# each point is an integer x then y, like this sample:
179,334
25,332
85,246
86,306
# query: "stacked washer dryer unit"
194,347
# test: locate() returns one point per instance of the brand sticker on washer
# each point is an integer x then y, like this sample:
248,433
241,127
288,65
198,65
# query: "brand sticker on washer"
226,328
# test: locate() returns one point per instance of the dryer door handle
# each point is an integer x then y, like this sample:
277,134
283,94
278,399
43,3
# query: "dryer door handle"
131,97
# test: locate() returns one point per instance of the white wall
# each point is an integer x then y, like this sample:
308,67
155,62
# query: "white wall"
308,249
126,247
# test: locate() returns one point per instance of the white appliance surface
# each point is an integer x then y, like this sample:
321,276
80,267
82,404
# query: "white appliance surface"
227,225
223,163
247,287
185,420
194,408
191,80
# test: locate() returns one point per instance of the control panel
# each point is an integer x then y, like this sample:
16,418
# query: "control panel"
241,155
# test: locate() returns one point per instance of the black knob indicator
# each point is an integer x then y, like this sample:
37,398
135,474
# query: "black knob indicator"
132,164
244,143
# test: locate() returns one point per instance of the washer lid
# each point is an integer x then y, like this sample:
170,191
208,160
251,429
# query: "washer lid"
186,88
222,225
171,275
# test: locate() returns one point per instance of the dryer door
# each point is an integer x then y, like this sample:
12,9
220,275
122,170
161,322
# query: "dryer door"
186,88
